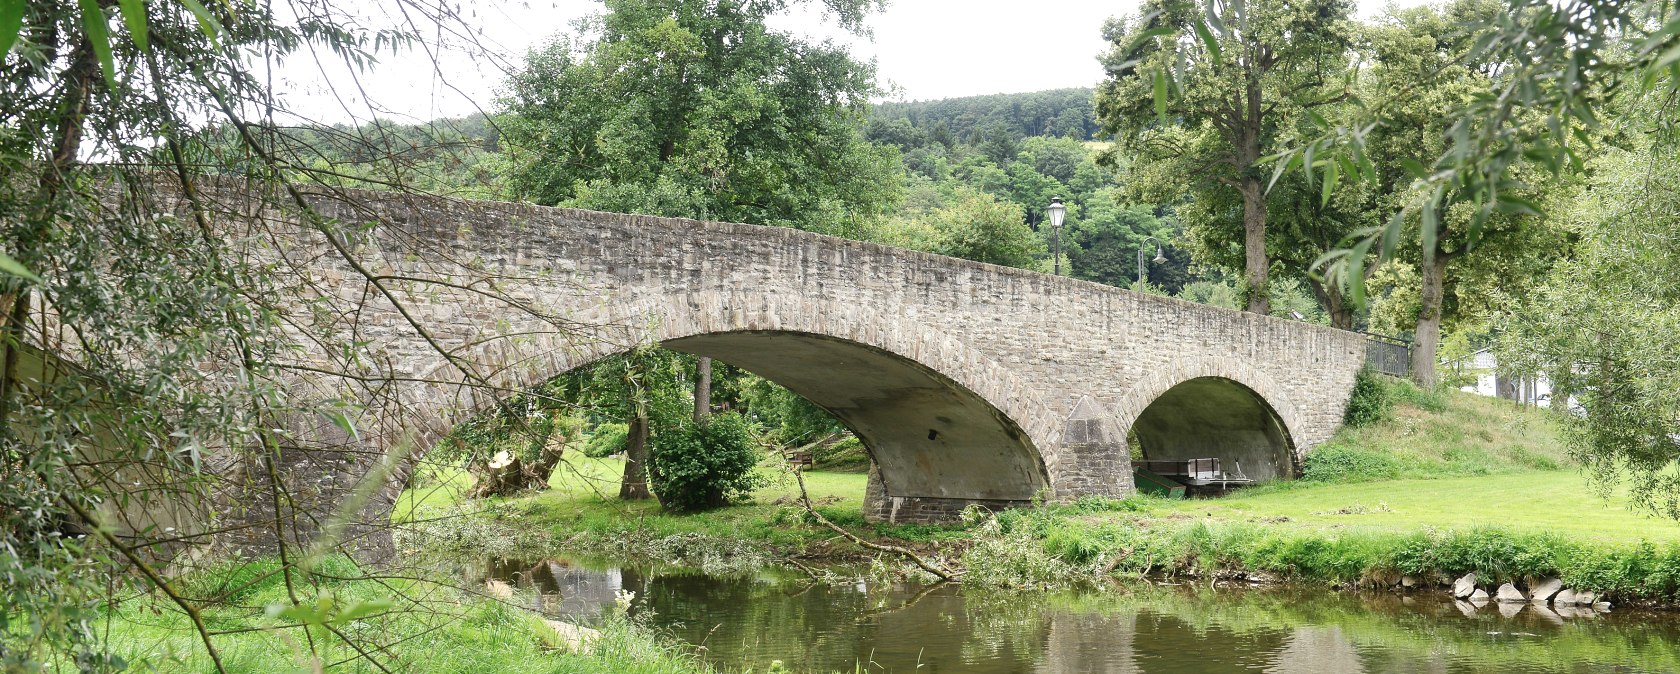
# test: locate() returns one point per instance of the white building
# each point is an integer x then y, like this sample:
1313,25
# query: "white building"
1532,390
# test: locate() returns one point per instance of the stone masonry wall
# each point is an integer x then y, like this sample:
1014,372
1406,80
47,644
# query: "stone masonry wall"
878,506
519,293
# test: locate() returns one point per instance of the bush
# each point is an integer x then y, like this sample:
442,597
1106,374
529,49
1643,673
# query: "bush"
606,440
1371,401
1103,504
1342,463
1429,400
700,466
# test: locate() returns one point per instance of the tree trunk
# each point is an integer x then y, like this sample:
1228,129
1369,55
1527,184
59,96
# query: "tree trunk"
79,79
500,475
1427,341
702,390
1334,302
1254,245
635,485
506,475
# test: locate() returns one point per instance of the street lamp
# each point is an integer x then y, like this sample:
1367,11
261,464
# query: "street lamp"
1143,272
1057,211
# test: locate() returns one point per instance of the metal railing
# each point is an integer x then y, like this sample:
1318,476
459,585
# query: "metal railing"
1196,472
1389,355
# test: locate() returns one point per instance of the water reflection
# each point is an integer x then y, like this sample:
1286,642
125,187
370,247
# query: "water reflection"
748,621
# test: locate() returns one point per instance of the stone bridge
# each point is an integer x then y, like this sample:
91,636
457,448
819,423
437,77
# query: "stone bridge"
967,382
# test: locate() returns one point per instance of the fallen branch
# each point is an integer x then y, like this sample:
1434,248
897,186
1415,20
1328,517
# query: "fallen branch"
1109,568
912,602
927,566
808,570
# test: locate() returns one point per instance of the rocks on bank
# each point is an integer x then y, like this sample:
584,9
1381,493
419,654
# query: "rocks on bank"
1541,592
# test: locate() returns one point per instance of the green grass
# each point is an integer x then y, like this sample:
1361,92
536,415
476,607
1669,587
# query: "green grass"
1440,434
1439,459
434,488
432,629
581,506
1442,484
1061,545
1538,501
575,504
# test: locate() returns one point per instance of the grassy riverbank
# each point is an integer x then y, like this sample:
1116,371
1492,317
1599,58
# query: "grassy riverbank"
1444,483
408,624
1555,502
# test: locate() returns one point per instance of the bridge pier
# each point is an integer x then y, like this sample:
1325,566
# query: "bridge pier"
879,506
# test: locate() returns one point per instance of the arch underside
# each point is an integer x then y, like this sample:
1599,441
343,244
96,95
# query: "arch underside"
930,436
1215,417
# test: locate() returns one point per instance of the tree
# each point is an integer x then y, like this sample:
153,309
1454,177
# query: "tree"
980,228
1106,238
647,391
1301,228
148,333
1603,327
1031,191
1265,65
1055,112
1562,66
1424,70
1058,158
696,108
792,419
1558,64
516,446
999,145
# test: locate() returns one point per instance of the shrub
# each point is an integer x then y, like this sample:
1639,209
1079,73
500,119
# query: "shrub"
1497,555
606,440
1077,544
1430,400
1415,555
700,466
1103,504
1341,463
1371,401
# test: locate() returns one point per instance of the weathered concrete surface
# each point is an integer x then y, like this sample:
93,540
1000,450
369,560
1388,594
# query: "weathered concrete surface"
941,439
968,382
1203,413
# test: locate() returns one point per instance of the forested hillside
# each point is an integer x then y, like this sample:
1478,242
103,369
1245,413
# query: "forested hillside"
1057,112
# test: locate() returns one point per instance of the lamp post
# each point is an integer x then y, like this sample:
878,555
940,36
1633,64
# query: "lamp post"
1143,272
1057,211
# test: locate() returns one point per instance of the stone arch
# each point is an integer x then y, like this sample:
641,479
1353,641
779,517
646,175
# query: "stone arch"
1215,399
939,371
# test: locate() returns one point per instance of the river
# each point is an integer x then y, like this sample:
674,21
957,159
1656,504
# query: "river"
741,621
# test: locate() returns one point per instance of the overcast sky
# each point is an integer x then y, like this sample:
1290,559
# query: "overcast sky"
924,49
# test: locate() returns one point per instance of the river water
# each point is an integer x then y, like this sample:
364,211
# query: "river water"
741,621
